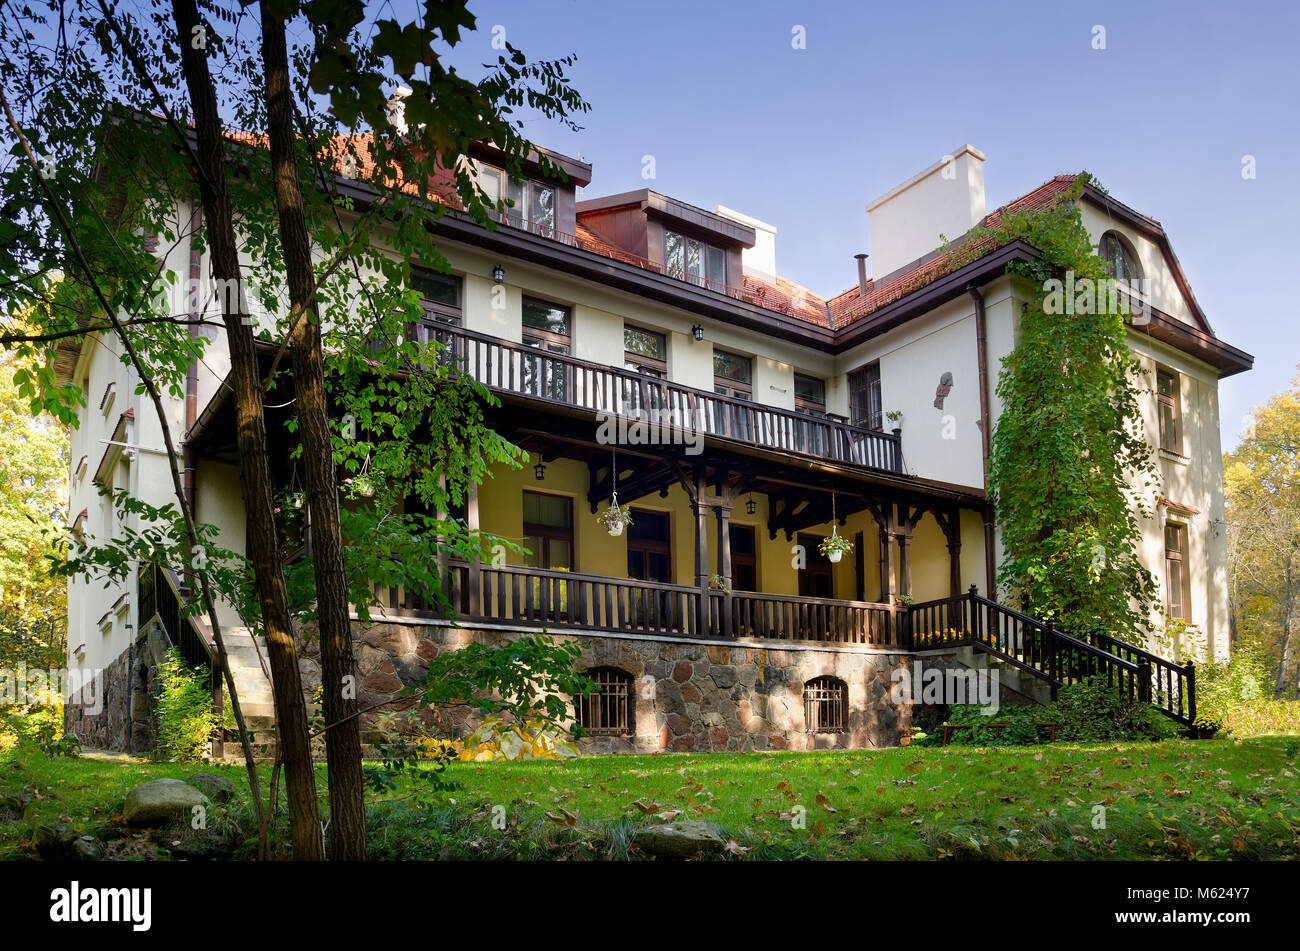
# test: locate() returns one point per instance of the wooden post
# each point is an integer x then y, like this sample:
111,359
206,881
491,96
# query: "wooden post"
905,563
475,573
1191,692
703,625
723,512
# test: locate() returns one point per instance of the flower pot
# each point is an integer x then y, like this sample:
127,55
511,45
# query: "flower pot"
615,528
835,555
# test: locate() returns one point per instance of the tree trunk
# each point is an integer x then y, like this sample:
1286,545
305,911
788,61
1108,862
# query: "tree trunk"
263,542
347,828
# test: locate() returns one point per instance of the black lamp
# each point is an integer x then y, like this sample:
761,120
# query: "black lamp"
498,274
539,470
751,506
697,332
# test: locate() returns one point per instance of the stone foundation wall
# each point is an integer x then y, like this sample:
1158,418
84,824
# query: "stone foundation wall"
110,727
690,697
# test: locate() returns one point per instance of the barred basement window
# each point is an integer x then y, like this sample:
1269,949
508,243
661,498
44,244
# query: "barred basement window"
609,711
825,705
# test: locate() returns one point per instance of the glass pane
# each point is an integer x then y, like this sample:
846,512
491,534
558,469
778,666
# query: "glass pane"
561,554
717,263
649,526
437,288
731,366
674,255
657,566
1168,428
645,342
489,179
543,316
543,209
1174,579
550,510
536,547
1165,383
515,192
809,388
694,258
1173,538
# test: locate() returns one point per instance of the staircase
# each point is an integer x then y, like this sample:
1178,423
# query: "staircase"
252,682
1049,656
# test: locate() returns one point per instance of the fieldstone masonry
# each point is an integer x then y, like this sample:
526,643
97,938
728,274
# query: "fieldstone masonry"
690,696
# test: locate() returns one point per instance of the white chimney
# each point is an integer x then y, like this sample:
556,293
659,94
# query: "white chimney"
760,260
397,108
946,199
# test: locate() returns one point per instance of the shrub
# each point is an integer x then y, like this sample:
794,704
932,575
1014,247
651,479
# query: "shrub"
1235,694
186,719
1019,726
1093,710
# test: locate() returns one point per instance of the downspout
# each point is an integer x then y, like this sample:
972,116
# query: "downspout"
981,344
192,373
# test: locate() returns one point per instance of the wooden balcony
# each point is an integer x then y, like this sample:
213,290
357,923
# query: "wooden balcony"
565,600
517,370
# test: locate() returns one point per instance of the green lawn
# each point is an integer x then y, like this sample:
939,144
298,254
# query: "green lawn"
1171,800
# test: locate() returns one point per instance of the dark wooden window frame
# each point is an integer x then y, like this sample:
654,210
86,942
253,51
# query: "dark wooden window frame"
1114,247
522,212
743,559
1176,562
1171,401
826,705
649,545
547,533
682,274
611,709
866,406
730,386
655,366
805,404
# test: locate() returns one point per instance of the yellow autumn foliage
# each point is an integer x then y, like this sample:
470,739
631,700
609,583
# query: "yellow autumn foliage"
495,739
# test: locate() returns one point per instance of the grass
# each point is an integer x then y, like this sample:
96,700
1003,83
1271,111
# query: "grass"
1171,800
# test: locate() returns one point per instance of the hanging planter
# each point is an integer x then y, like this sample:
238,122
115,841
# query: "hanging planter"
615,518
835,546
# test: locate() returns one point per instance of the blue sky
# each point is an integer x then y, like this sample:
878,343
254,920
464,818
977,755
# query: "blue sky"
804,138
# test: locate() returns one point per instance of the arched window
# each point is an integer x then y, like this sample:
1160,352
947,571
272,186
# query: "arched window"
1121,262
611,709
826,705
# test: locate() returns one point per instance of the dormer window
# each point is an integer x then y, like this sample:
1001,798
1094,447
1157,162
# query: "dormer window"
1121,262
689,259
531,204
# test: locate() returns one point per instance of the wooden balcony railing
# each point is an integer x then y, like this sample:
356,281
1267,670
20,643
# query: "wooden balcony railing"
507,367
559,600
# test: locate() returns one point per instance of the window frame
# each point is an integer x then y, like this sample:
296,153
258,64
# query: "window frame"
640,362
607,705
741,559
1171,401
682,271
829,695
1127,257
1176,561
521,191
651,546
804,404
866,380
549,533
730,386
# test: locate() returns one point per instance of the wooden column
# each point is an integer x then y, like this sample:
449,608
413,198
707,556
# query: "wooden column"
723,512
701,534
475,574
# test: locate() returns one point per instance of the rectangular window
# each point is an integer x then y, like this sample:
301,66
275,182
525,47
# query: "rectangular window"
546,328
865,404
732,374
644,351
1177,582
816,579
1167,400
690,259
440,299
809,394
649,550
548,531
531,204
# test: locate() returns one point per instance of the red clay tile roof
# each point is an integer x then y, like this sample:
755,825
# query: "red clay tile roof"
786,297
851,305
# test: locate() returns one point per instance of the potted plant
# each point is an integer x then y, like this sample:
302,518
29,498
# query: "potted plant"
835,546
716,582
896,417
615,518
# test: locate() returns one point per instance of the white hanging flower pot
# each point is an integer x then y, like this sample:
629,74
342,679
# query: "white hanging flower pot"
616,528
835,555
